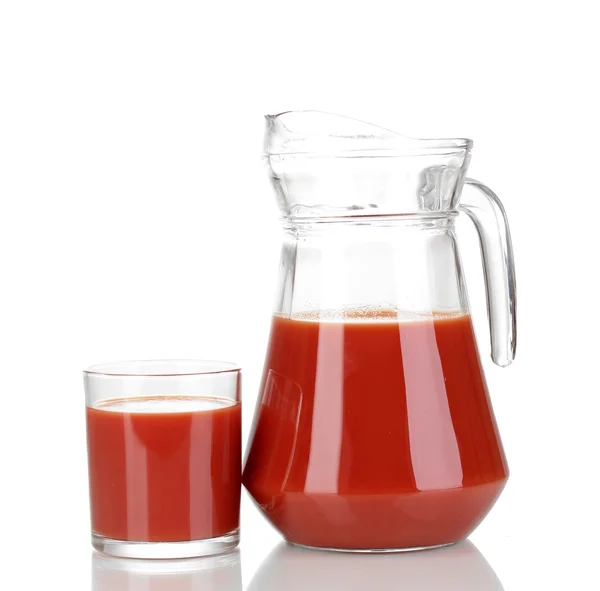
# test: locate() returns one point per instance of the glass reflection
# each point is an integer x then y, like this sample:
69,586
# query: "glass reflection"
456,568
216,573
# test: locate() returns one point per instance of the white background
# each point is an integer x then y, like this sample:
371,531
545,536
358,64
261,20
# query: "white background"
136,221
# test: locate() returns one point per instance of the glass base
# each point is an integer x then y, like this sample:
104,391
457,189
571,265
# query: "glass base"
373,550
167,550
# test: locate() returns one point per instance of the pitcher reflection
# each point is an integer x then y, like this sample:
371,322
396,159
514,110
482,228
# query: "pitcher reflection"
459,567
216,573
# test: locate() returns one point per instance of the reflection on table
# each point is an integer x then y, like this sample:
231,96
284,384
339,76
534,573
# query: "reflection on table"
456,568
217,573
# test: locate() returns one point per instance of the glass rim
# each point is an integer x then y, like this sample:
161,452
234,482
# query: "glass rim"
135,368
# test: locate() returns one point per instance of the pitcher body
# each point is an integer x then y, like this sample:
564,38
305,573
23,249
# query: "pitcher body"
374,429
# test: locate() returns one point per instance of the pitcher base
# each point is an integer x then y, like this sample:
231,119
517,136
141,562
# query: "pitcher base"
373,550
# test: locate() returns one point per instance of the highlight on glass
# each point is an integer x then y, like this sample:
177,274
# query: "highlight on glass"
164,455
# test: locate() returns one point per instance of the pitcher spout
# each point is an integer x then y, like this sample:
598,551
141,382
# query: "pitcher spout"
324,165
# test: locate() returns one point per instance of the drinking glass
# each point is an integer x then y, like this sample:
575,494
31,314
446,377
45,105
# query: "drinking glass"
164,456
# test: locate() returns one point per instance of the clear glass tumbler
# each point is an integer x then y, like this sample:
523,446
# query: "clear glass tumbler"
164,456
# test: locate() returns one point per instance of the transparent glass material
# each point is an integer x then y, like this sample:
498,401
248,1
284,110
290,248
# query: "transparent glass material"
164,457
374,429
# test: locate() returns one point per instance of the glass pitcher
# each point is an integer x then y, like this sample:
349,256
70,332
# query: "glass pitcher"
374,430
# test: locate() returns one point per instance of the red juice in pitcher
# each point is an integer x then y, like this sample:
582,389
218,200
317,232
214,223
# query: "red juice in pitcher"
374,432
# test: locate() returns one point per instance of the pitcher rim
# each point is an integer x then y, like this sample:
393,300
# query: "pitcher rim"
411,146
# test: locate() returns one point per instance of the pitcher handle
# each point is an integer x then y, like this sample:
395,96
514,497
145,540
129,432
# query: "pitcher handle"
487,213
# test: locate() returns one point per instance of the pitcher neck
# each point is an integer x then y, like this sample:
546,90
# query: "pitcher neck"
359,226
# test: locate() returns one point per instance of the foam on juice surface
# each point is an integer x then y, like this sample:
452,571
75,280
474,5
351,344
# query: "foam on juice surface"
163,404
368,314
